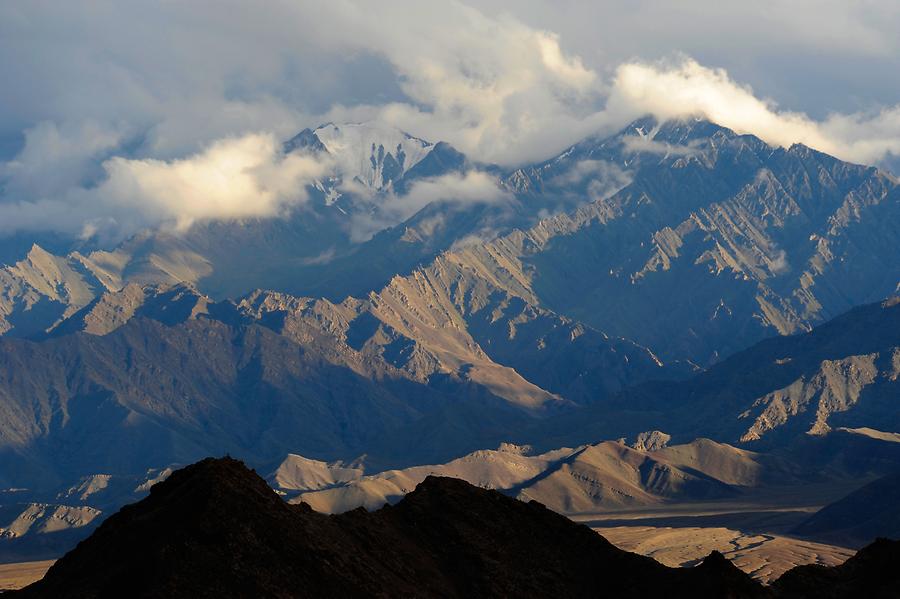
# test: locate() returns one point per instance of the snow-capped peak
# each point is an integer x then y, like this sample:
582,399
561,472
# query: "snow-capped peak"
373,153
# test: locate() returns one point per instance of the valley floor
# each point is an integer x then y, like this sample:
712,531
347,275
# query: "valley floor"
763,556
16,576
752,532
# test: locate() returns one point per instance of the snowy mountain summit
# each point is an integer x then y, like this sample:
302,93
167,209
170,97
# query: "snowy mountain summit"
373,154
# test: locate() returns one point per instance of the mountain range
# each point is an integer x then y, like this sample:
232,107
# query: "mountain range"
767,240
674,277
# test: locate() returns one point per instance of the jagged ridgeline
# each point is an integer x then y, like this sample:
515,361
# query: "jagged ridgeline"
684,237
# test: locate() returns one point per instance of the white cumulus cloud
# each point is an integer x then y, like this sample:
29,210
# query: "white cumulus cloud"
232,178
689,89
495,88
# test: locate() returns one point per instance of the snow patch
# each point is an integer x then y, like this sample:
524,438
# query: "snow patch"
372,153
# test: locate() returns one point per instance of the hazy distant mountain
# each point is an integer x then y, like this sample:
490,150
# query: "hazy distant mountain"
695,241
717,241
589,478
611,475
370,163
466,349
41,290
594,478
372,154
38,524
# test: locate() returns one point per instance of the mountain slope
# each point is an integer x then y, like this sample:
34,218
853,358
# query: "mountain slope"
38,524
280,253
43,289
465,349
870,512
165,374
436,364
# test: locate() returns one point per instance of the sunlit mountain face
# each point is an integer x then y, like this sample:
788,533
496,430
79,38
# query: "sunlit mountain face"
653,287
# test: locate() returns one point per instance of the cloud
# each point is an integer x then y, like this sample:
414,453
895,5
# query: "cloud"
54,159
87,112
232,178
180,74
591,179
505,81
454,189
505,92
778,264
689,89
498,90
815,56
644,144
322,258
483,235
592,171
472,187
865,137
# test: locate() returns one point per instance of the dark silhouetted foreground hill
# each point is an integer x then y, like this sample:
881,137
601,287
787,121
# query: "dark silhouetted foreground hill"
873,573
215,529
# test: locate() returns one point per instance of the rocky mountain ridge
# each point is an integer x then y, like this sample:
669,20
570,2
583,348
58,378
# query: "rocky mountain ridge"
765,240
658,252
274,374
